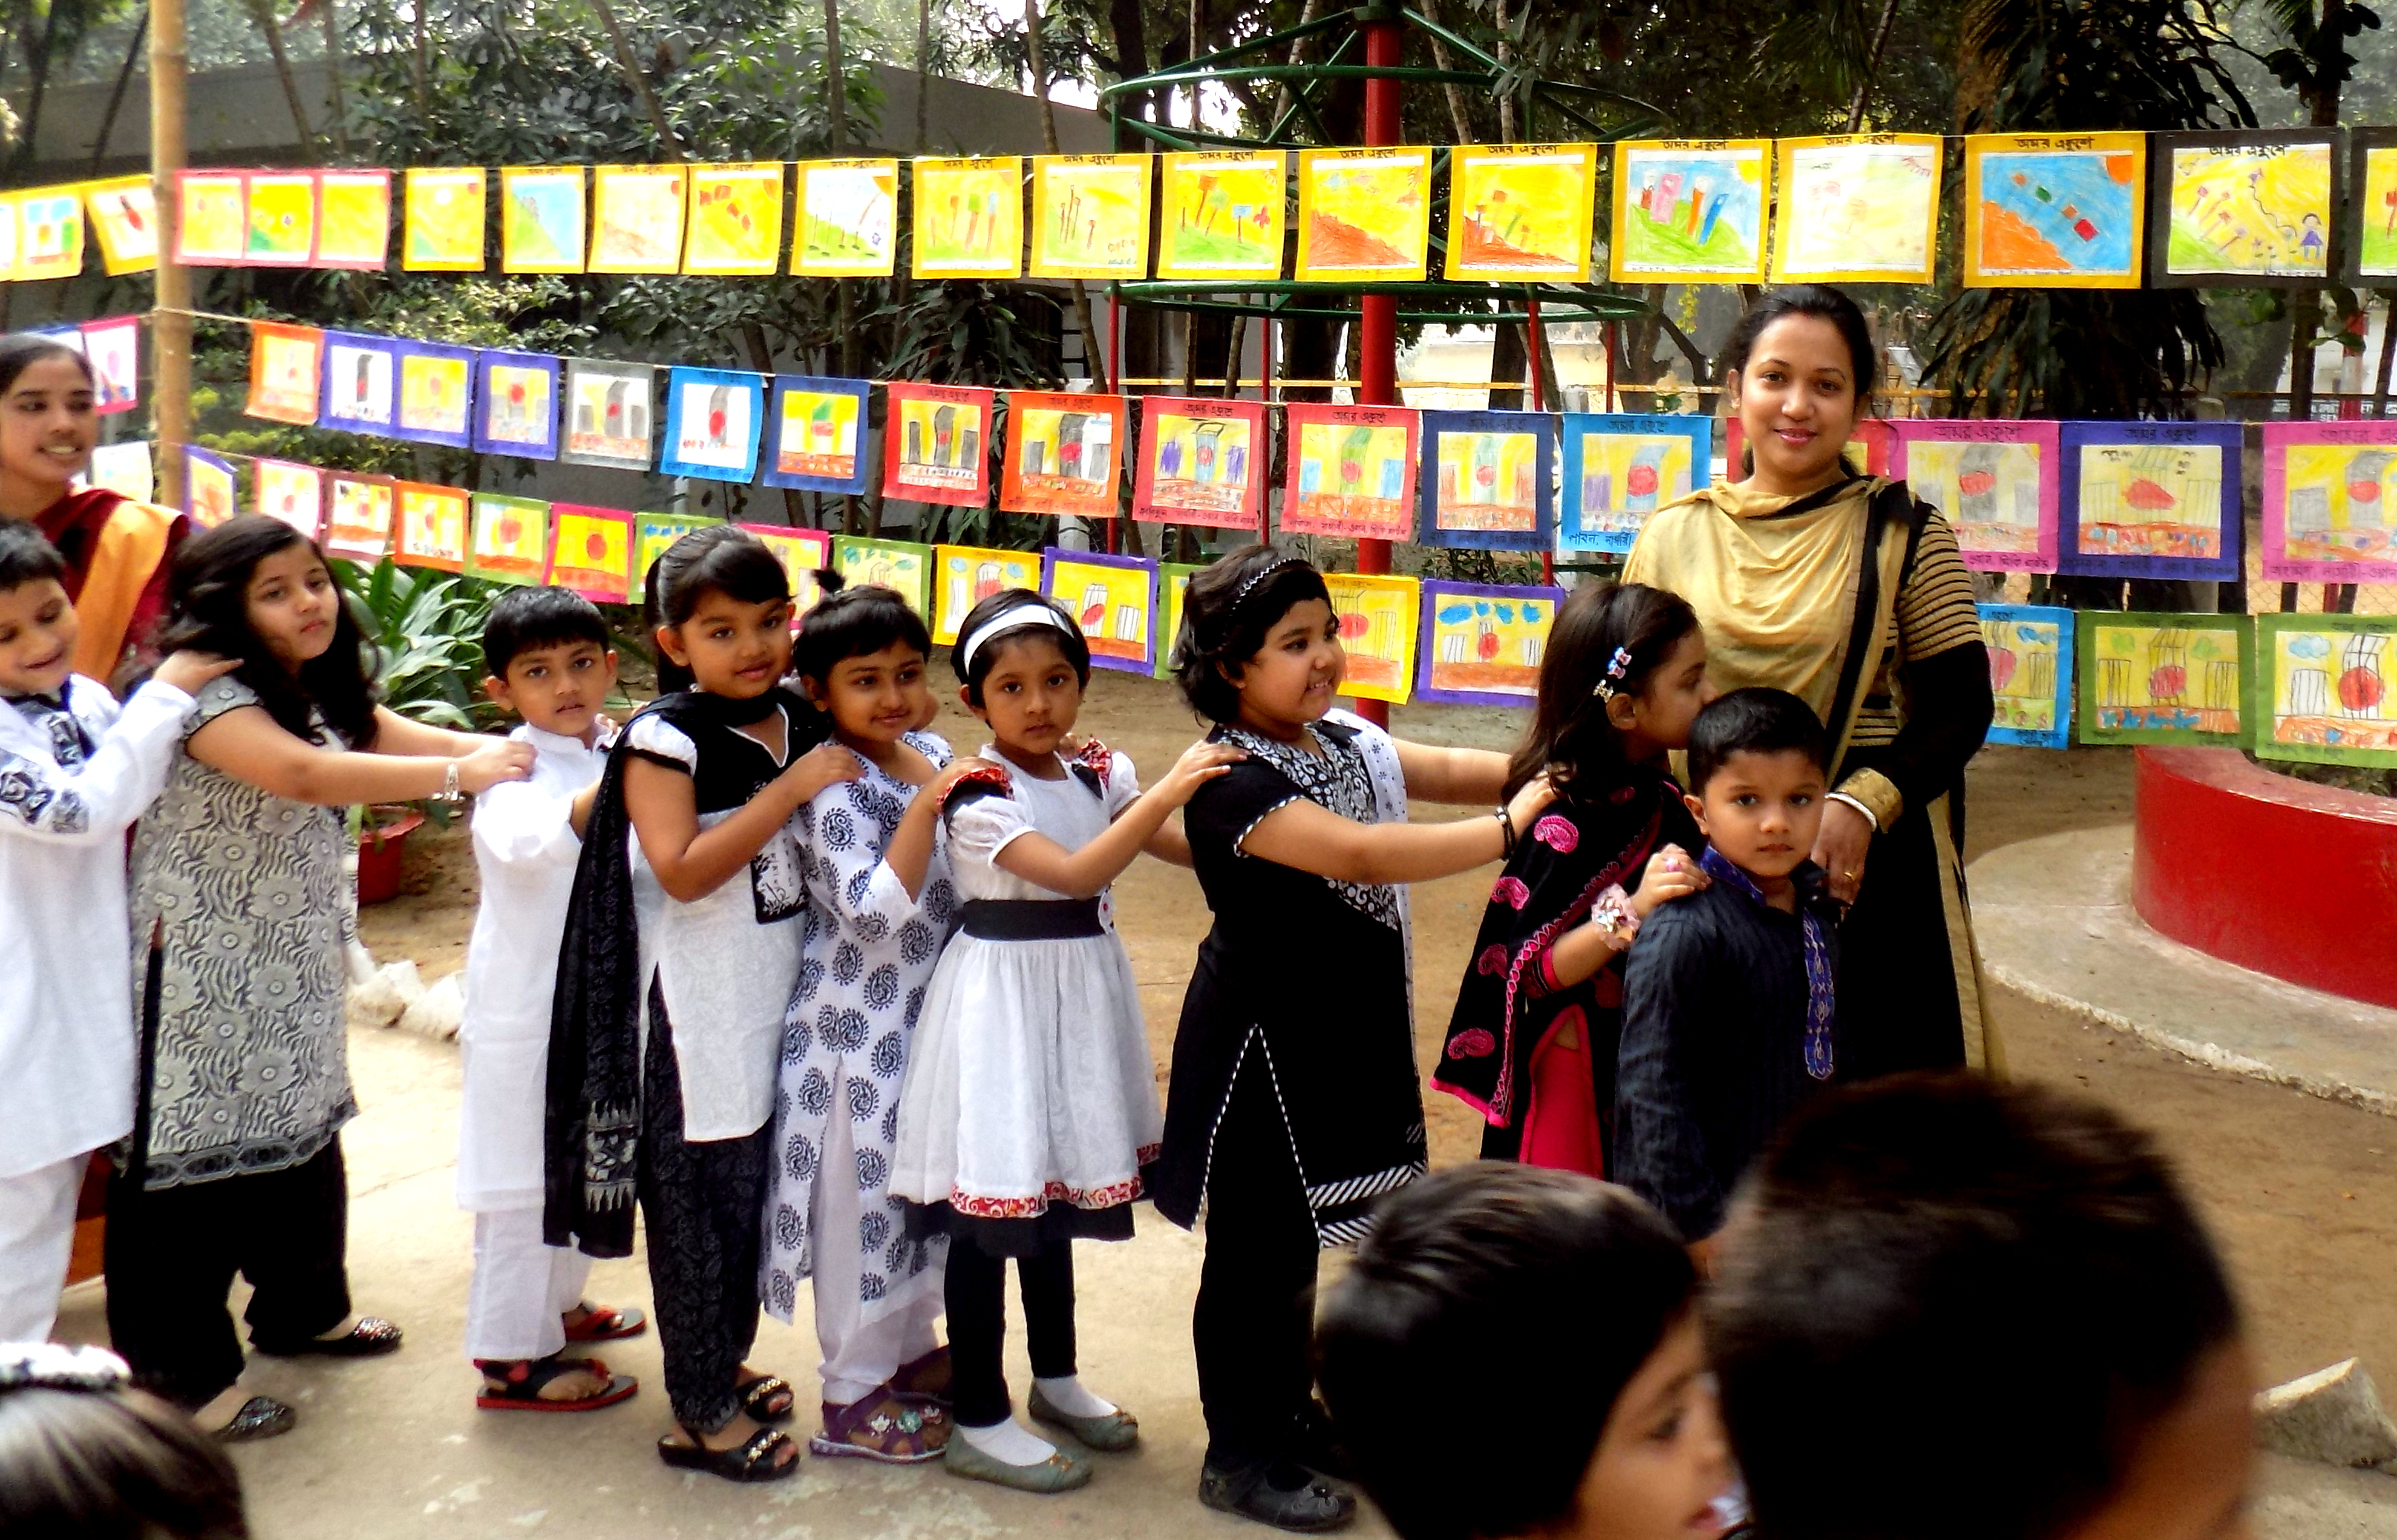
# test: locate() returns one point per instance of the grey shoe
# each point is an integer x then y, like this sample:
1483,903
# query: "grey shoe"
1112,1434
1248,1491
1060,1472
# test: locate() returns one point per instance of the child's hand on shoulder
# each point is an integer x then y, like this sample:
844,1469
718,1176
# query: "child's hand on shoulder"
187,670
1671,874
499,759
1529,803
1201,763
828,764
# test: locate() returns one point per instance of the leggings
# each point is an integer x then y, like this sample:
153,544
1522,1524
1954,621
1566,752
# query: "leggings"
976,1287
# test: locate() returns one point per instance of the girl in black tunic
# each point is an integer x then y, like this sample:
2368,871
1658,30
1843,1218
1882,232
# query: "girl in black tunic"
1293,1103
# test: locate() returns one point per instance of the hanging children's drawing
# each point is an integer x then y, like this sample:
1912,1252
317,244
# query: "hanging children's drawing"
895,564
2371,206
1871,446
1857,208
968,219
280,210
1690,210
1377,618
1517,211
2053,210
1995,480
285,372
430,522
125,216
818,435
212,218
2030,673
636,216
2151,500
965,575
736,220
358,523
609,414
805,555
361,383
1363,215
2330,502
541,218
1201,461
847,213
211,488
652,533
1062,451
1114,600
1482,645
2243,207
591,551
2148,678
1619,467
713,419
1221,214
352,219
1489,479
1172,588
293,494
442,220
113,347
935,443
2323,689
125,469
511,539
1352,470
516,396
1090,216
436,394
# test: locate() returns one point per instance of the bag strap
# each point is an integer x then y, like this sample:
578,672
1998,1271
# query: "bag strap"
1893,502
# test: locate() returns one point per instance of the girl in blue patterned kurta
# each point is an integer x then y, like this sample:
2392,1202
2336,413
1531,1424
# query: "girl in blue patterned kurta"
880,905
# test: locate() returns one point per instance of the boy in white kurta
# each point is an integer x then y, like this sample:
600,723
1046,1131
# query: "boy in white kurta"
75,771
548,656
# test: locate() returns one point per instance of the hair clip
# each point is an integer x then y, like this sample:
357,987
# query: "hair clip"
1616,667
1284,560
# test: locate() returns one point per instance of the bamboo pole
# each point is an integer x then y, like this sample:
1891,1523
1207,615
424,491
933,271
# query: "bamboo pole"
170,323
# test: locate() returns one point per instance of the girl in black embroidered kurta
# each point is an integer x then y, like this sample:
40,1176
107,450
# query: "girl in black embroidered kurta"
1293,1102
681,948
1533,1041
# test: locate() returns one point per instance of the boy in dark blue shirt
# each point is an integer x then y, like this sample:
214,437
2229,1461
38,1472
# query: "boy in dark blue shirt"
1728,1005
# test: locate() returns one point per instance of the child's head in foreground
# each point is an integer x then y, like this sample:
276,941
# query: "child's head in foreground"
37,622
82,1455
547,656
1758,765
1947,1309
1022,666
1259,645
1495,1276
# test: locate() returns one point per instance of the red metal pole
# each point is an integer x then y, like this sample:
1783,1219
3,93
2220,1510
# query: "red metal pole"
1114,345
1377,325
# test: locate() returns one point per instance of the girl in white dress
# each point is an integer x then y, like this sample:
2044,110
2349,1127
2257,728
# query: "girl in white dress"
1030,1102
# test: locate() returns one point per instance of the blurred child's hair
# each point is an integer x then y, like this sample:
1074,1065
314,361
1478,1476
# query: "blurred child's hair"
1470,1279
21,351
1227,610
1068,637
722,558
81,1455
1570,734
208,594
1754,720
852,622
26,555
523,618
1934,1274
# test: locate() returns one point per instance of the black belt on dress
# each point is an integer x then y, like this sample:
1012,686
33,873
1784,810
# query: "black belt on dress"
1031,918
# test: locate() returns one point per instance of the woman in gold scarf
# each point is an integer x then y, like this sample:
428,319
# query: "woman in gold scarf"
1847,591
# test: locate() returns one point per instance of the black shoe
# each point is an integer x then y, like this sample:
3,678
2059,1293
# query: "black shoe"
1278,1492
1316,1444
372,1337
260,1418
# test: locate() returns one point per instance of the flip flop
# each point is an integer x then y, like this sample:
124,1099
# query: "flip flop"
522,1381
756,1395
606,1323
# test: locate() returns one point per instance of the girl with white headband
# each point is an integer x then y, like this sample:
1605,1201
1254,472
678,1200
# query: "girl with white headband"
1030,1102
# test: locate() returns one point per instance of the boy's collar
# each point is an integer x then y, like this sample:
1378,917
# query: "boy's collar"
1807,878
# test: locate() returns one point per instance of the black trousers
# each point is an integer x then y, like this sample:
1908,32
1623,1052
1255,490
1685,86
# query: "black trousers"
976,1289
173,1253
1255,1313
1897,975
701,1208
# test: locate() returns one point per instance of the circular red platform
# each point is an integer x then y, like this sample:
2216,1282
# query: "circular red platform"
2288,878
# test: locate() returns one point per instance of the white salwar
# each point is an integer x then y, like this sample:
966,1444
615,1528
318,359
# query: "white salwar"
67,1066
1030,1081
526,850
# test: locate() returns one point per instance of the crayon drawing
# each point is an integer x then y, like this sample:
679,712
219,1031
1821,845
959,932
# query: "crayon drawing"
282,215
713,419
1690,210
518,396
113,349
652,533
2151,500
2030,673
2375,202
818,429
1488,479
1363,214
591,551
1090,216
2252,208
1172,587
1482,645
2324,688
736,220
293,494
441,229
432,527
511,539
936,444
848,214
1857,210
1352,470
965,575
1063,453
285,372
609,414
2330,502
1112,598
1201,461
211,227
805,555
636,214
2055,212
1377,619
541,218
437,394
2164,679
1222,214
210,489
1870,447
361,383
124,215
1997,482
352,219
1619,468
125,469
968,216
889,563
359,524
1520,211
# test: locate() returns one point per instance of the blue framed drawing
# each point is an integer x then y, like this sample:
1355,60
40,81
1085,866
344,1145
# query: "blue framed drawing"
516,404
1488,480
712,422
436,394
2030,673
1622,466
361,384
815,439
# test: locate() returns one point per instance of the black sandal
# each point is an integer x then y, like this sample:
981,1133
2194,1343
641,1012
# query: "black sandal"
751,1462
522,1381
755,1394
372,1337
260,1418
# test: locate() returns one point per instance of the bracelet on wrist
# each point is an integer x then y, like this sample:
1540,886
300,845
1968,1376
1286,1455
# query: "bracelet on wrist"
1506,836
1614,914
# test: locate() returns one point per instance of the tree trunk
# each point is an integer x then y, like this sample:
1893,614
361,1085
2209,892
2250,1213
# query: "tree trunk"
37,63
117,97
263,12
1459,121
923,75
1506,61
333,57
1872,64
1129,21
1094,361
669,143
424,48
2323,100
1508,358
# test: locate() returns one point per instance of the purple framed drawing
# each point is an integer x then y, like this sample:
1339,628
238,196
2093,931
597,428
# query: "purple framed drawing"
515,401
436,394
361,384
1479,644
2151,500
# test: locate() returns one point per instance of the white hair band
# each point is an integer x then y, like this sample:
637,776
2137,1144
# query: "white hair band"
1033,613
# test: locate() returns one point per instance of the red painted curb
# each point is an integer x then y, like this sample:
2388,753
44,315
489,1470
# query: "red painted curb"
2274,874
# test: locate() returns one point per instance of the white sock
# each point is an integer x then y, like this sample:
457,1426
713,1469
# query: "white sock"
1069,1395
1010,1443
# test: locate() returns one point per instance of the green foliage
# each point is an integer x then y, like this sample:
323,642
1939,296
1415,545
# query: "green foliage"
429,628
